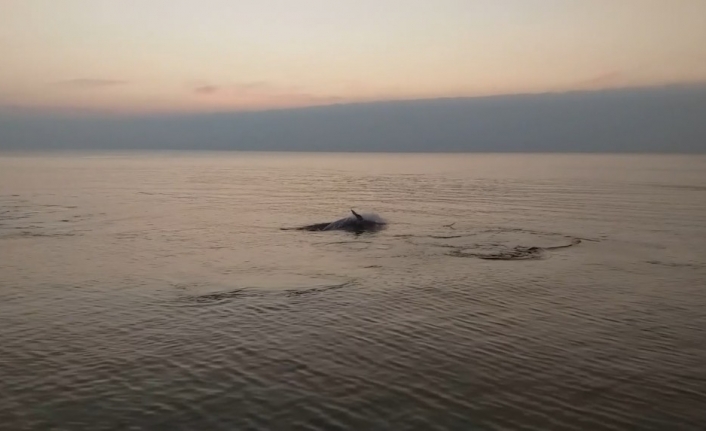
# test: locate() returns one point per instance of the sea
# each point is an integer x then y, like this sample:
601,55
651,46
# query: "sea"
167,291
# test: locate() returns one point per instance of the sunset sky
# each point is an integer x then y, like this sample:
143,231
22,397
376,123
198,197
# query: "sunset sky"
138,56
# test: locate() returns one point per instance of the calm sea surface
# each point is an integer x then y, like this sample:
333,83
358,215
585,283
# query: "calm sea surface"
158,292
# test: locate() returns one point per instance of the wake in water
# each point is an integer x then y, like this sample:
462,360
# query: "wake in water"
516,253
497,243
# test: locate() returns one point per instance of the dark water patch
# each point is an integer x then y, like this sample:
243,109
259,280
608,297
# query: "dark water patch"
590,239
515,253
520,230
675,264
496,243
217,297
10,215
66,207
694,188
319,289
36,234
576,241
213,297
36,220
353,245
224,296
171,195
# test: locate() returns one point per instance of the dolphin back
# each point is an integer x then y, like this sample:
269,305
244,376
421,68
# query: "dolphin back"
341,224
357,222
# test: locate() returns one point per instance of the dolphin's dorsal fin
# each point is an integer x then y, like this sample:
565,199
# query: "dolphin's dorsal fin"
358,216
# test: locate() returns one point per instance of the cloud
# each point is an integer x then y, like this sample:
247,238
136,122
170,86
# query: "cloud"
254,85
298,99
237,88
206,89
602,79
258,95
89,83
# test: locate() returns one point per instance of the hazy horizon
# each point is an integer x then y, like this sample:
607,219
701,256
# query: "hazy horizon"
312,75
654,119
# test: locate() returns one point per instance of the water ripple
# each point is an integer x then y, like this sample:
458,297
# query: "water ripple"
152,293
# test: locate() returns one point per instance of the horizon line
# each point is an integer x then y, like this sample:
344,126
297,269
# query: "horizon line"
68,151
109,113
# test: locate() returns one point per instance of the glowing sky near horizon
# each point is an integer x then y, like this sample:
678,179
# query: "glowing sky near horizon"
215,55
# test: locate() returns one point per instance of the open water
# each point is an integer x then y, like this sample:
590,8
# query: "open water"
158,291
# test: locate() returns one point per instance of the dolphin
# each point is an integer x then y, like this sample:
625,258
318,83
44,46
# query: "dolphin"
357,224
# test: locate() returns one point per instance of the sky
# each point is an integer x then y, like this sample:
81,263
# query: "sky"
195,56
